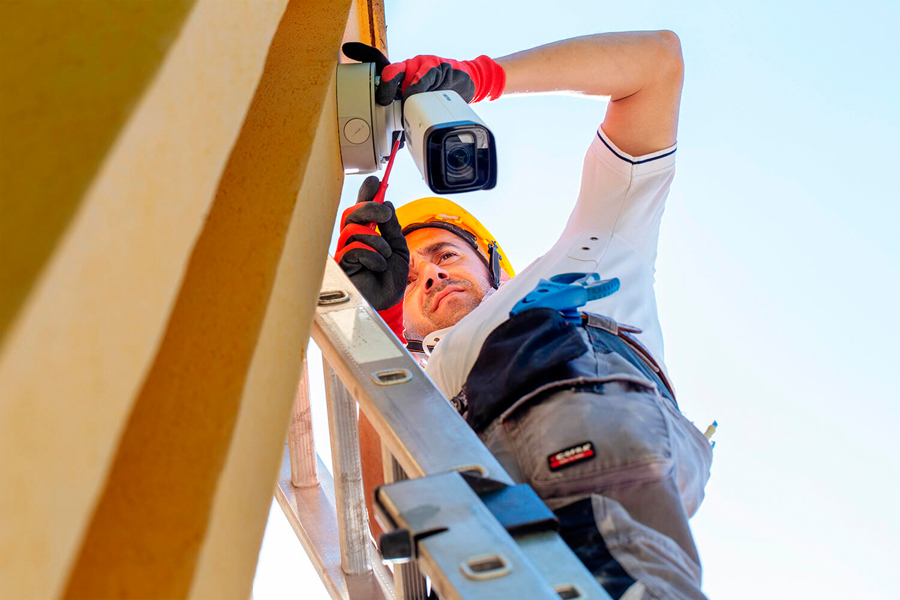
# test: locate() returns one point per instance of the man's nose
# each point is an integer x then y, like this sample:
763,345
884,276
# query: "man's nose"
432,275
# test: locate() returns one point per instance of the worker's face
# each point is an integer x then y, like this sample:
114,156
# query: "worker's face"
447,280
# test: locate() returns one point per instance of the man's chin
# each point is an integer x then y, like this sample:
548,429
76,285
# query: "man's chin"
452,309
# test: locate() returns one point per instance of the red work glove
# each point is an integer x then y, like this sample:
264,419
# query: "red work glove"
377,264
474,80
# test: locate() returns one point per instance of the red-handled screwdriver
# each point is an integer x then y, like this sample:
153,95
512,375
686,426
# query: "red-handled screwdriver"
382,188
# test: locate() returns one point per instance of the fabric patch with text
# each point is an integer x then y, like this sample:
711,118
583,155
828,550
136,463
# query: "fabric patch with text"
571,456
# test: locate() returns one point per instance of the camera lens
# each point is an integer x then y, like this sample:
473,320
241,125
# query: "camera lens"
459,158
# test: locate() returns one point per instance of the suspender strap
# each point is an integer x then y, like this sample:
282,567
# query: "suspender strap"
625,333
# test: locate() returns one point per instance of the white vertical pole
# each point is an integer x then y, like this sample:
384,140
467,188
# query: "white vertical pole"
353,522
300,437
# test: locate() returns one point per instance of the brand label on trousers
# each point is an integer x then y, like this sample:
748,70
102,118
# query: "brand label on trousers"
571,456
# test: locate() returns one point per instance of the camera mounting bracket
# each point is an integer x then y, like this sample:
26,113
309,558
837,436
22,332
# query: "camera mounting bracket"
365,128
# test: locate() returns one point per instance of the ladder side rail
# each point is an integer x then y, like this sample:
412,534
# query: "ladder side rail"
407,411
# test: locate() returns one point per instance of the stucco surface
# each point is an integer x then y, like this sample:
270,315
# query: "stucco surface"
244,493
147,532
75,357
71,72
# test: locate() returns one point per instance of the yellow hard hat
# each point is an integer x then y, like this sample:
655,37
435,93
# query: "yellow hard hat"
440,212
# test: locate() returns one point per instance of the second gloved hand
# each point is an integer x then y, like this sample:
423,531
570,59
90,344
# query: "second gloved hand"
376,262
474,80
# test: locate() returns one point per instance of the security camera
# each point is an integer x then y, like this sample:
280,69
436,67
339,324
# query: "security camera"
452,147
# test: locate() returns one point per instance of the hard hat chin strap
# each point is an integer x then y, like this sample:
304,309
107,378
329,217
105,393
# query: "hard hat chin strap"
494,266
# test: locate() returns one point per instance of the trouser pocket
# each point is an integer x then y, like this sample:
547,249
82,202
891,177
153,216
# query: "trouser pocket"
588,438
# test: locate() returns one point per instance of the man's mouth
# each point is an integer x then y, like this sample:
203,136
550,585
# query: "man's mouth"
439,296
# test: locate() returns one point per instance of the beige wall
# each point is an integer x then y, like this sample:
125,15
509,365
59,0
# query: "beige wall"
153,327
72,73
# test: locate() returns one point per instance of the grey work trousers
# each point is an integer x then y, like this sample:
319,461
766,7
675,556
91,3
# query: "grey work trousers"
644,479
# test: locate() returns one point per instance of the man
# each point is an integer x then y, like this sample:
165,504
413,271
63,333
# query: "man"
582,412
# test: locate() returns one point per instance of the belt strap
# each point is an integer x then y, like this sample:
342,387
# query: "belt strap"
624,332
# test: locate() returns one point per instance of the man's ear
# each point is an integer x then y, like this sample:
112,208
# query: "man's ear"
504,277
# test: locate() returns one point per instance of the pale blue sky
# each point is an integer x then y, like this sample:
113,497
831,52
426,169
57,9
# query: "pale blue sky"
778,268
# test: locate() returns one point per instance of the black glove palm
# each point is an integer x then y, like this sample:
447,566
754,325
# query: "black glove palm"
378,265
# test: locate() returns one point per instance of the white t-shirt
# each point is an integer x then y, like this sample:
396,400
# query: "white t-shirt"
613,231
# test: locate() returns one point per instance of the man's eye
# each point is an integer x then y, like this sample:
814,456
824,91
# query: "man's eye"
447,255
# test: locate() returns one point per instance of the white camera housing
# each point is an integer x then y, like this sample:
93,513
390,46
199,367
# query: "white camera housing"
451,145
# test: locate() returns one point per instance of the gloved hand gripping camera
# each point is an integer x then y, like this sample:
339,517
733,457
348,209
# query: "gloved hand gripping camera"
452,147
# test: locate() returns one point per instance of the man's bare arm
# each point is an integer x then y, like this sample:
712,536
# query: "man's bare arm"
640,72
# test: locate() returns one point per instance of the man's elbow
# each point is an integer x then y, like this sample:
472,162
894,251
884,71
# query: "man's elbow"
669,57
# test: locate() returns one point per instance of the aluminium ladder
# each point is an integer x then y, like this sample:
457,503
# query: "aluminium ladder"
443,486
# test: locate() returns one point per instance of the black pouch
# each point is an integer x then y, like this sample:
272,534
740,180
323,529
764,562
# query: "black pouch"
527,351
